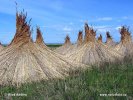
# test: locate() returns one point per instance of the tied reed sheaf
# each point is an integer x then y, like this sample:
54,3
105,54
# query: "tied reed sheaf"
125,46
92,51
67,46
24,60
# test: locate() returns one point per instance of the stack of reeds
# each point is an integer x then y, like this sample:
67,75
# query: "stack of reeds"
67,46
92,51
25,61
125,46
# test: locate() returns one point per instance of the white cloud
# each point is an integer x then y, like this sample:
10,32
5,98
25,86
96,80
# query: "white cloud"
81,20
71,23
52,26
100,27
56,5
103,29
67,29
84,21
105,19
118,27
127,17
97,19
7,8
55,27
63,28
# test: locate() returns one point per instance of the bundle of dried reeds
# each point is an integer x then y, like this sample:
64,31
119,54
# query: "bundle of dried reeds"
125,35
24,61
67,46
125,46
93,52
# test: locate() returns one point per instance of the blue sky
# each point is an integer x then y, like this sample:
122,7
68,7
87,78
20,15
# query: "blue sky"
57,18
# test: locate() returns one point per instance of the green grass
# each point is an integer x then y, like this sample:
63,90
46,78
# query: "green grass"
53,45
87,85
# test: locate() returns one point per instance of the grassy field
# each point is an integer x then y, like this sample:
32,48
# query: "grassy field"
116,78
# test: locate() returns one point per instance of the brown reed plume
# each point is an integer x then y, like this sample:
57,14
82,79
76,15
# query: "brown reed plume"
80,38
67,40
39,38
125,35
100,38
23,31
90,34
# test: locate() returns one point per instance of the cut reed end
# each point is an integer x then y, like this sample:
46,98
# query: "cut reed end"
93,32
80,38
67,40
86,27
39,38
87,32
90,34
108,35
100,38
